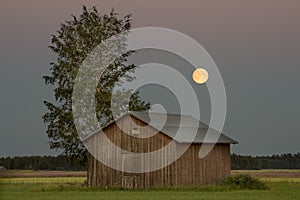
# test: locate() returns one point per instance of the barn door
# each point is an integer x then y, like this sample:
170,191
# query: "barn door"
132,182
134,163
127,182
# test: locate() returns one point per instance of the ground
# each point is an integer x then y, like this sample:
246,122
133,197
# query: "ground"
71,187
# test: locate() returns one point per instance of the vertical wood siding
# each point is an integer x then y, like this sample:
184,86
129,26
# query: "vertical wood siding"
188,170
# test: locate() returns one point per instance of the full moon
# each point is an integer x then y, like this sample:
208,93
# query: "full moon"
200,76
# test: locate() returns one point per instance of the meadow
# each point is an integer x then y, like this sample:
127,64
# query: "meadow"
73,188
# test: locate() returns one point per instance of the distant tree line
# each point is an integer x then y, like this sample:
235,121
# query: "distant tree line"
283,161
60,162
65,163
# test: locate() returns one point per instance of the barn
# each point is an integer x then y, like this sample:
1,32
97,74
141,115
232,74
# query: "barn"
187,170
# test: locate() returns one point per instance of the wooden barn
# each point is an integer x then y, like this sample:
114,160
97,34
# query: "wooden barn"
187,170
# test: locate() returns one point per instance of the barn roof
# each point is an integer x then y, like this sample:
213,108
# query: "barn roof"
181,128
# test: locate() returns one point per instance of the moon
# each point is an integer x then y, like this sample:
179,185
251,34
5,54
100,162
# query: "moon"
200,76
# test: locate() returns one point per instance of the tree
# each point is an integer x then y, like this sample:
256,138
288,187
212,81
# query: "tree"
74,41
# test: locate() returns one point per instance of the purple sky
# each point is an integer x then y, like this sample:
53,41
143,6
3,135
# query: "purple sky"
255,44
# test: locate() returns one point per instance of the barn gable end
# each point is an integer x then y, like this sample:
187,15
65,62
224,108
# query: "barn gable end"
188,170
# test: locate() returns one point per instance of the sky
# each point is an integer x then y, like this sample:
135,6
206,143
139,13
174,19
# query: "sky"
255,44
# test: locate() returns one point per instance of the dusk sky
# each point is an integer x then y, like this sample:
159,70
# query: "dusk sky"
255,44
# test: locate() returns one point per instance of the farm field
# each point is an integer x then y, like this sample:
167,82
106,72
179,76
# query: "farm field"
72,188
40,173
273,173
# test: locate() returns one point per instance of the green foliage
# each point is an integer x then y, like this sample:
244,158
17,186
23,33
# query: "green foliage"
74,40
282,161
243,181
60,162
40,191
83,187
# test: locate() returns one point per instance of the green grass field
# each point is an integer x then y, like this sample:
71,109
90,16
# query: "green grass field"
71,188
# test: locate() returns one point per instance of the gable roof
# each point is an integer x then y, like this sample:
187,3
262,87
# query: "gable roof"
181,128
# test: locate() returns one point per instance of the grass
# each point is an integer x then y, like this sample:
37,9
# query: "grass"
281,180
267,171
71,188
43,180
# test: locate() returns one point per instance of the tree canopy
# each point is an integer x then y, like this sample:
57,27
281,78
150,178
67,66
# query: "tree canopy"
72,43
62,162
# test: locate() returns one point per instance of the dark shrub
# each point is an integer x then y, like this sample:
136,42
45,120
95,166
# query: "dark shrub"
244,181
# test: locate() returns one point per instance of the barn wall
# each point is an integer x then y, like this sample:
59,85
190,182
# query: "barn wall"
187,170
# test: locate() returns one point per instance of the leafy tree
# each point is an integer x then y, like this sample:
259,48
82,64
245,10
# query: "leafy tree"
73,42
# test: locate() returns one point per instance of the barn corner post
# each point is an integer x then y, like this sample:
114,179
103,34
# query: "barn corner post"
89,170
88,175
